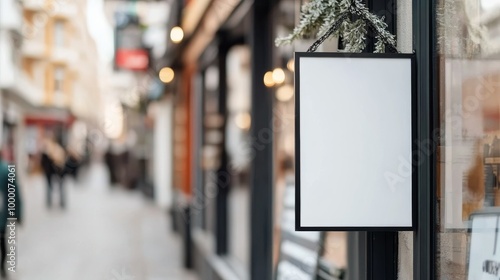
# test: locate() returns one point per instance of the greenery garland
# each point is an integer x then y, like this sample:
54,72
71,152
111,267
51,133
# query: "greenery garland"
327,18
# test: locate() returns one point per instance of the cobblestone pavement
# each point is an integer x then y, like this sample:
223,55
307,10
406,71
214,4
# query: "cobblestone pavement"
104,233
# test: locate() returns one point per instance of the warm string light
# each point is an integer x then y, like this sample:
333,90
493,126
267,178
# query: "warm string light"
176,34
268,79
285,93
291,65
166,75
277,77
243,120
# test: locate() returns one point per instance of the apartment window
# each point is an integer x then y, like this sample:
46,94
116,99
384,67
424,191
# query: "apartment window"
59,33
59,79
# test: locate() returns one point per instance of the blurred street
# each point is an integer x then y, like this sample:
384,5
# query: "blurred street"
103,234
222,140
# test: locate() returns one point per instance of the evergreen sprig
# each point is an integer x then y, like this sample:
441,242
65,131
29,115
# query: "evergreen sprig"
319,16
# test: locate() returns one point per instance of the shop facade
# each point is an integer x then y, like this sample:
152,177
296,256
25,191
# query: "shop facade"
233,144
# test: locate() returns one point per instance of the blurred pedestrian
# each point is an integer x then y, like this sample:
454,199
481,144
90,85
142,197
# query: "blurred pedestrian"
72,163
53,163
6,183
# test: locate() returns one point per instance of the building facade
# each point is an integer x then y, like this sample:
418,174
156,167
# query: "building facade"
49,73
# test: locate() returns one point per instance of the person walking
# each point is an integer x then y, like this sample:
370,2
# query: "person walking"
7,184
72,164
53,162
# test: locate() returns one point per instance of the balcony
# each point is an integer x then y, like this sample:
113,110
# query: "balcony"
34,5
61,9
66,10
24,89
34,44
33,49
29,90
64,55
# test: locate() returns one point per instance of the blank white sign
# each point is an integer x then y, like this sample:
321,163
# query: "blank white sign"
354,141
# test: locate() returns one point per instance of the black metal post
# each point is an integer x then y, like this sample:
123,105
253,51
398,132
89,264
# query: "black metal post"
382,251
262,143
223,172
382,247
198,202
188,243
424,34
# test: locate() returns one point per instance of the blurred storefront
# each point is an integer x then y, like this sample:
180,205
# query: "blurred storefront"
234,146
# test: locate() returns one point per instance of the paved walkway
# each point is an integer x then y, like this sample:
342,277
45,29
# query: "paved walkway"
103,234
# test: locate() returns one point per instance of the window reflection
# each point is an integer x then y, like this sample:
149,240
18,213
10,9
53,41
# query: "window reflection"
469,133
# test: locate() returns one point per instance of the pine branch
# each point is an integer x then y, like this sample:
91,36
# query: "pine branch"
354,36
311,19
334,29
332,11
379,45
332,17
377,24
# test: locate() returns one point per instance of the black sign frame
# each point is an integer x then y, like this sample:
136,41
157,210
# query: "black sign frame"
414,207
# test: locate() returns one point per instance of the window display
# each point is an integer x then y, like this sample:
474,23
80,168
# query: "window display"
239,153
469,132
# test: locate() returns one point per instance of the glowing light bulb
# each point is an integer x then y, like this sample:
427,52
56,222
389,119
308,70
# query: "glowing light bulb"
278,76
166,75
284,93
268,79
176,34
243,121
291,65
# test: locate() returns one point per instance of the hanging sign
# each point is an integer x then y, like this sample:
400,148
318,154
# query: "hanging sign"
484,247
130,53
355,148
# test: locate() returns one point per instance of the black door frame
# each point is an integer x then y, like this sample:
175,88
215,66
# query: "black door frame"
425,47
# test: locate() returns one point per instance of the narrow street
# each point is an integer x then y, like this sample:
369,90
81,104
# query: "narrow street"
108,234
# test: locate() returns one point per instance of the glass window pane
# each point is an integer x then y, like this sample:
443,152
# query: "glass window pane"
59,33
469,145
237,133
58,79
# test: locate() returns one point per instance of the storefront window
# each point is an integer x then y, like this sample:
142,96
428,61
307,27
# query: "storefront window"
469,132
211,147
237,133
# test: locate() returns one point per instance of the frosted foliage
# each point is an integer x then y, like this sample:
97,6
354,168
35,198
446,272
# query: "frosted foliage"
319,16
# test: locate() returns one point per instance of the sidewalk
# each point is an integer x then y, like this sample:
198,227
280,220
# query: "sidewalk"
103,234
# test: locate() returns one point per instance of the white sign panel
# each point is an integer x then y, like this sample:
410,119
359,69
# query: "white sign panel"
354,141
484,250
